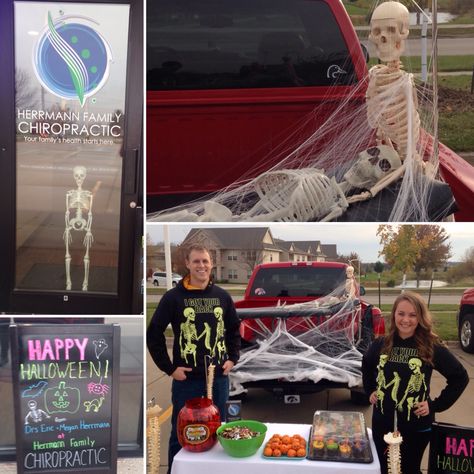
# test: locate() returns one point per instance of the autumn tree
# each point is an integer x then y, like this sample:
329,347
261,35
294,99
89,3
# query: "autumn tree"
414,247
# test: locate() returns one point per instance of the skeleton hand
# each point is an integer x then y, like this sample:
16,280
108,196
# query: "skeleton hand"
88,239
67,236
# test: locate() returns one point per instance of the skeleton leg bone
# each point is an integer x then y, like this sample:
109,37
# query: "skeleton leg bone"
85,283
67,239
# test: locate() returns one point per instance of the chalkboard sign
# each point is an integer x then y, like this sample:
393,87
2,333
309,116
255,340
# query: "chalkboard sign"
451,449
66,384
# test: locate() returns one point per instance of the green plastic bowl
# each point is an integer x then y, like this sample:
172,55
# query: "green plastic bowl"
242,448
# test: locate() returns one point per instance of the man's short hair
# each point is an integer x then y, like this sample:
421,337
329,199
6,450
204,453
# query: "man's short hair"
197,248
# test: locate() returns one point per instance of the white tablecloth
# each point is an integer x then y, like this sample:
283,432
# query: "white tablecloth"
217,461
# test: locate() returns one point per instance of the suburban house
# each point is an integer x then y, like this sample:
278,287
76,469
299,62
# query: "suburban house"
236,251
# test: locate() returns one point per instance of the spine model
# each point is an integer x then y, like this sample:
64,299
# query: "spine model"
210,380
394,457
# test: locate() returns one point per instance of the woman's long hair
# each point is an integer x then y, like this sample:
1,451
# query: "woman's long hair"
425,338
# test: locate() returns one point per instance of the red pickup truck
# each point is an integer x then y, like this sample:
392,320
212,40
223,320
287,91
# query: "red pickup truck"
233,88
300,332
465,320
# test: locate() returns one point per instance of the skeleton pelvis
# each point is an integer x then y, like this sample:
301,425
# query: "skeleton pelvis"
78,223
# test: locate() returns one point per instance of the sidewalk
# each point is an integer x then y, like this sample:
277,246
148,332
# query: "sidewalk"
124,466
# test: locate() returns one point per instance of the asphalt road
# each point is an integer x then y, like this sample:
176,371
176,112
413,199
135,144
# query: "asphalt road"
387,297
446,47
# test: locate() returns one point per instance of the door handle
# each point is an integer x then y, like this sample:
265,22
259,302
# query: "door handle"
131,171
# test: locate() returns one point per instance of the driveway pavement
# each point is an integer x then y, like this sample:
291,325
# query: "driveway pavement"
264,406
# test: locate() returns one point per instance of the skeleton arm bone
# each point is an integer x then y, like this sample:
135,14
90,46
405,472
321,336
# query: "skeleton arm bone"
382,184
67,237
89,238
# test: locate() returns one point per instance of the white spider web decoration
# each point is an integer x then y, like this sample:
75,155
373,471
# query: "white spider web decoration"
316,168
325,346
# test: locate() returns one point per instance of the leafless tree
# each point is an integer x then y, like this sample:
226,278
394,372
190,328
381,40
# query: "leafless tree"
25,93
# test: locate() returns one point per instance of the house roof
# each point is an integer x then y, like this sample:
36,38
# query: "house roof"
329,250
250,238
236,238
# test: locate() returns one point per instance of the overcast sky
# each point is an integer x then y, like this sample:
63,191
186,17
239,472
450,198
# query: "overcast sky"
357,237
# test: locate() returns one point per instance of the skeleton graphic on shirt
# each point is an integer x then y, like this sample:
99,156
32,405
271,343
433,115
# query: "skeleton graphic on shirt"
188,335
382,382
220,330
415,384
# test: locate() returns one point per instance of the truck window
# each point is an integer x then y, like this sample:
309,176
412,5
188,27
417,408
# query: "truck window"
297,281
225,44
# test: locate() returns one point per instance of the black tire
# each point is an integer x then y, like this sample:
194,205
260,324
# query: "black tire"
359,398
173,284
155,282
466,327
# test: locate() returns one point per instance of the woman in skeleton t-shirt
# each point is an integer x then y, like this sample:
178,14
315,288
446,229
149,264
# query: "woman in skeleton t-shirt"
397,373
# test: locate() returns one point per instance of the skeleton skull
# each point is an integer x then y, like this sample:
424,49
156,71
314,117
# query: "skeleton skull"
80,173
189,314
218,312
372,165
389,30
414,363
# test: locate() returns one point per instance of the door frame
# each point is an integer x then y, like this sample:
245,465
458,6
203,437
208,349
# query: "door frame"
60,301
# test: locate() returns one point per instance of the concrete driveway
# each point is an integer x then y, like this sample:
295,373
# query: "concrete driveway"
261,405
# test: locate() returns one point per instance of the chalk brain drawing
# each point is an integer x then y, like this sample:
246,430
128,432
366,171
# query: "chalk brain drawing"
71,59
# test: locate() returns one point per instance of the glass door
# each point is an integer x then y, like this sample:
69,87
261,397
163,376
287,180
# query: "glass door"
75,135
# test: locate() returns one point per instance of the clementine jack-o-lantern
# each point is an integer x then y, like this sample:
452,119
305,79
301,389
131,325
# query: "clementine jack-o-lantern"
62,399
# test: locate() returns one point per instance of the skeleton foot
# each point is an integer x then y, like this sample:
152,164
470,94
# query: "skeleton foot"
68,272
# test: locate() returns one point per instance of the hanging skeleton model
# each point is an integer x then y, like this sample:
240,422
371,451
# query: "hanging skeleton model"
78,203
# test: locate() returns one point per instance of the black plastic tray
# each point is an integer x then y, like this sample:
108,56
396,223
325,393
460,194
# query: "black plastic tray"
348,426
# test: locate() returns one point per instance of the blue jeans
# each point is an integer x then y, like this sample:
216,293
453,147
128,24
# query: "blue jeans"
185,390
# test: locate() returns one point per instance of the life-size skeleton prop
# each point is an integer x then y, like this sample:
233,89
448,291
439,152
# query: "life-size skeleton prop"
78,218
308,194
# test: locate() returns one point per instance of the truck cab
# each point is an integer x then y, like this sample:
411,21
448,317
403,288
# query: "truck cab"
231,87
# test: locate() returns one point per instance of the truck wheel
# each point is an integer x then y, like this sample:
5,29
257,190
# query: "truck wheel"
465,333
359,398
155,283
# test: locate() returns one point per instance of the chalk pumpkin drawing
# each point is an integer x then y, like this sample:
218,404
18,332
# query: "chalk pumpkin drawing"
62,399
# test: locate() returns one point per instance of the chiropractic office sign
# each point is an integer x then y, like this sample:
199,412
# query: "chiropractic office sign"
71,61
66,383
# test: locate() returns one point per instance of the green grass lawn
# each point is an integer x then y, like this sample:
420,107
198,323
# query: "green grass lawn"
445,63
456,130
444,317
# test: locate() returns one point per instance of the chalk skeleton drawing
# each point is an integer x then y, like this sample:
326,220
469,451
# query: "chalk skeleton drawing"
35,414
